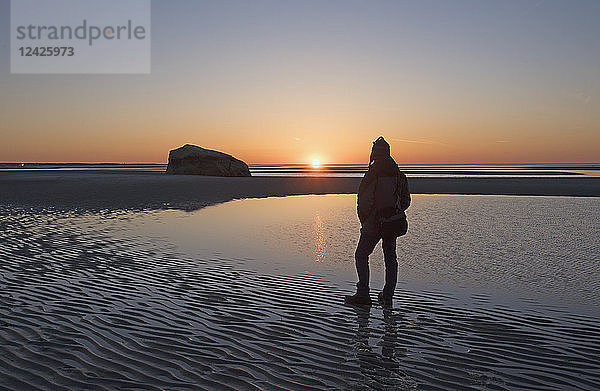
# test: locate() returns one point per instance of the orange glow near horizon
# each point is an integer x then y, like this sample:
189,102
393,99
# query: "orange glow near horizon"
443,82
404,151
257,136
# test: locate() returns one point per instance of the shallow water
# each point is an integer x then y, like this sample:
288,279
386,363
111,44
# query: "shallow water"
541,247
495,292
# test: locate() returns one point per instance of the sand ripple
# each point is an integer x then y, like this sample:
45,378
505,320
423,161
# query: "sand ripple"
83,308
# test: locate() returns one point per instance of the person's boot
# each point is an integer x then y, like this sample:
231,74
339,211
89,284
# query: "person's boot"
385,301
357,299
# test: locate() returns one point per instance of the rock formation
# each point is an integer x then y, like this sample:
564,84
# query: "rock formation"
194,160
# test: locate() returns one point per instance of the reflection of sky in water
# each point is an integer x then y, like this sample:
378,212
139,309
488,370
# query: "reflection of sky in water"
188,288
546,247
301,233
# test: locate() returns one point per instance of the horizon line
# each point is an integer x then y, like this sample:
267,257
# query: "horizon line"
299,163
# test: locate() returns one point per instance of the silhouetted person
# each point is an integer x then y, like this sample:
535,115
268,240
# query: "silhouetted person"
383,197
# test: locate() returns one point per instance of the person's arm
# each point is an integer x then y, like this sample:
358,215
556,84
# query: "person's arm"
366,194
404,193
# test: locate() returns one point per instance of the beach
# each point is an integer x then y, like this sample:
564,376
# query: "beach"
155,190
149,281
207,196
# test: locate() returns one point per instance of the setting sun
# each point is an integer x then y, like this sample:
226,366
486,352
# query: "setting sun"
316,163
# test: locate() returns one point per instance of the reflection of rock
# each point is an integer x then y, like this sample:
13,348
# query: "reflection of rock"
193,160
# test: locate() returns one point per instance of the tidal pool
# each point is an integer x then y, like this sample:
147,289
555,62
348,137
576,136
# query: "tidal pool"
494,293
545,248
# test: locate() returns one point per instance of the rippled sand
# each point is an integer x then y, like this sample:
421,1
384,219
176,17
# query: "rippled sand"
85,304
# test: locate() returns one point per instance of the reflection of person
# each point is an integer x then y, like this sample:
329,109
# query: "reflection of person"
383,197
377,367
390,336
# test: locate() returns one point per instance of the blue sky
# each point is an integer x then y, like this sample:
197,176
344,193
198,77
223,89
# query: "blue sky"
288,81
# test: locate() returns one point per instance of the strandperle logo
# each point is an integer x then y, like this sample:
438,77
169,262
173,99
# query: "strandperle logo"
80,36
85,31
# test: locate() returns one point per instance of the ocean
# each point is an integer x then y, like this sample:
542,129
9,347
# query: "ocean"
347,170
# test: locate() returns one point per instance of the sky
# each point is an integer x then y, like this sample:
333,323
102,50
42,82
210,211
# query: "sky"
290,81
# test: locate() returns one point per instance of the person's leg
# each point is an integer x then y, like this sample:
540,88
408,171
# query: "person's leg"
365,247
391,266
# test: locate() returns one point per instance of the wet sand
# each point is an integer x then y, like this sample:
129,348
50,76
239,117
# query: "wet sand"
85,303
84,306
151,190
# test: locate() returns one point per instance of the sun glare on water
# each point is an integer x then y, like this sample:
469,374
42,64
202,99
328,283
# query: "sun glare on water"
316,163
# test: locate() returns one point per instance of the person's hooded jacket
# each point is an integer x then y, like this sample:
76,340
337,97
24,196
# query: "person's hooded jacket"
383,191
